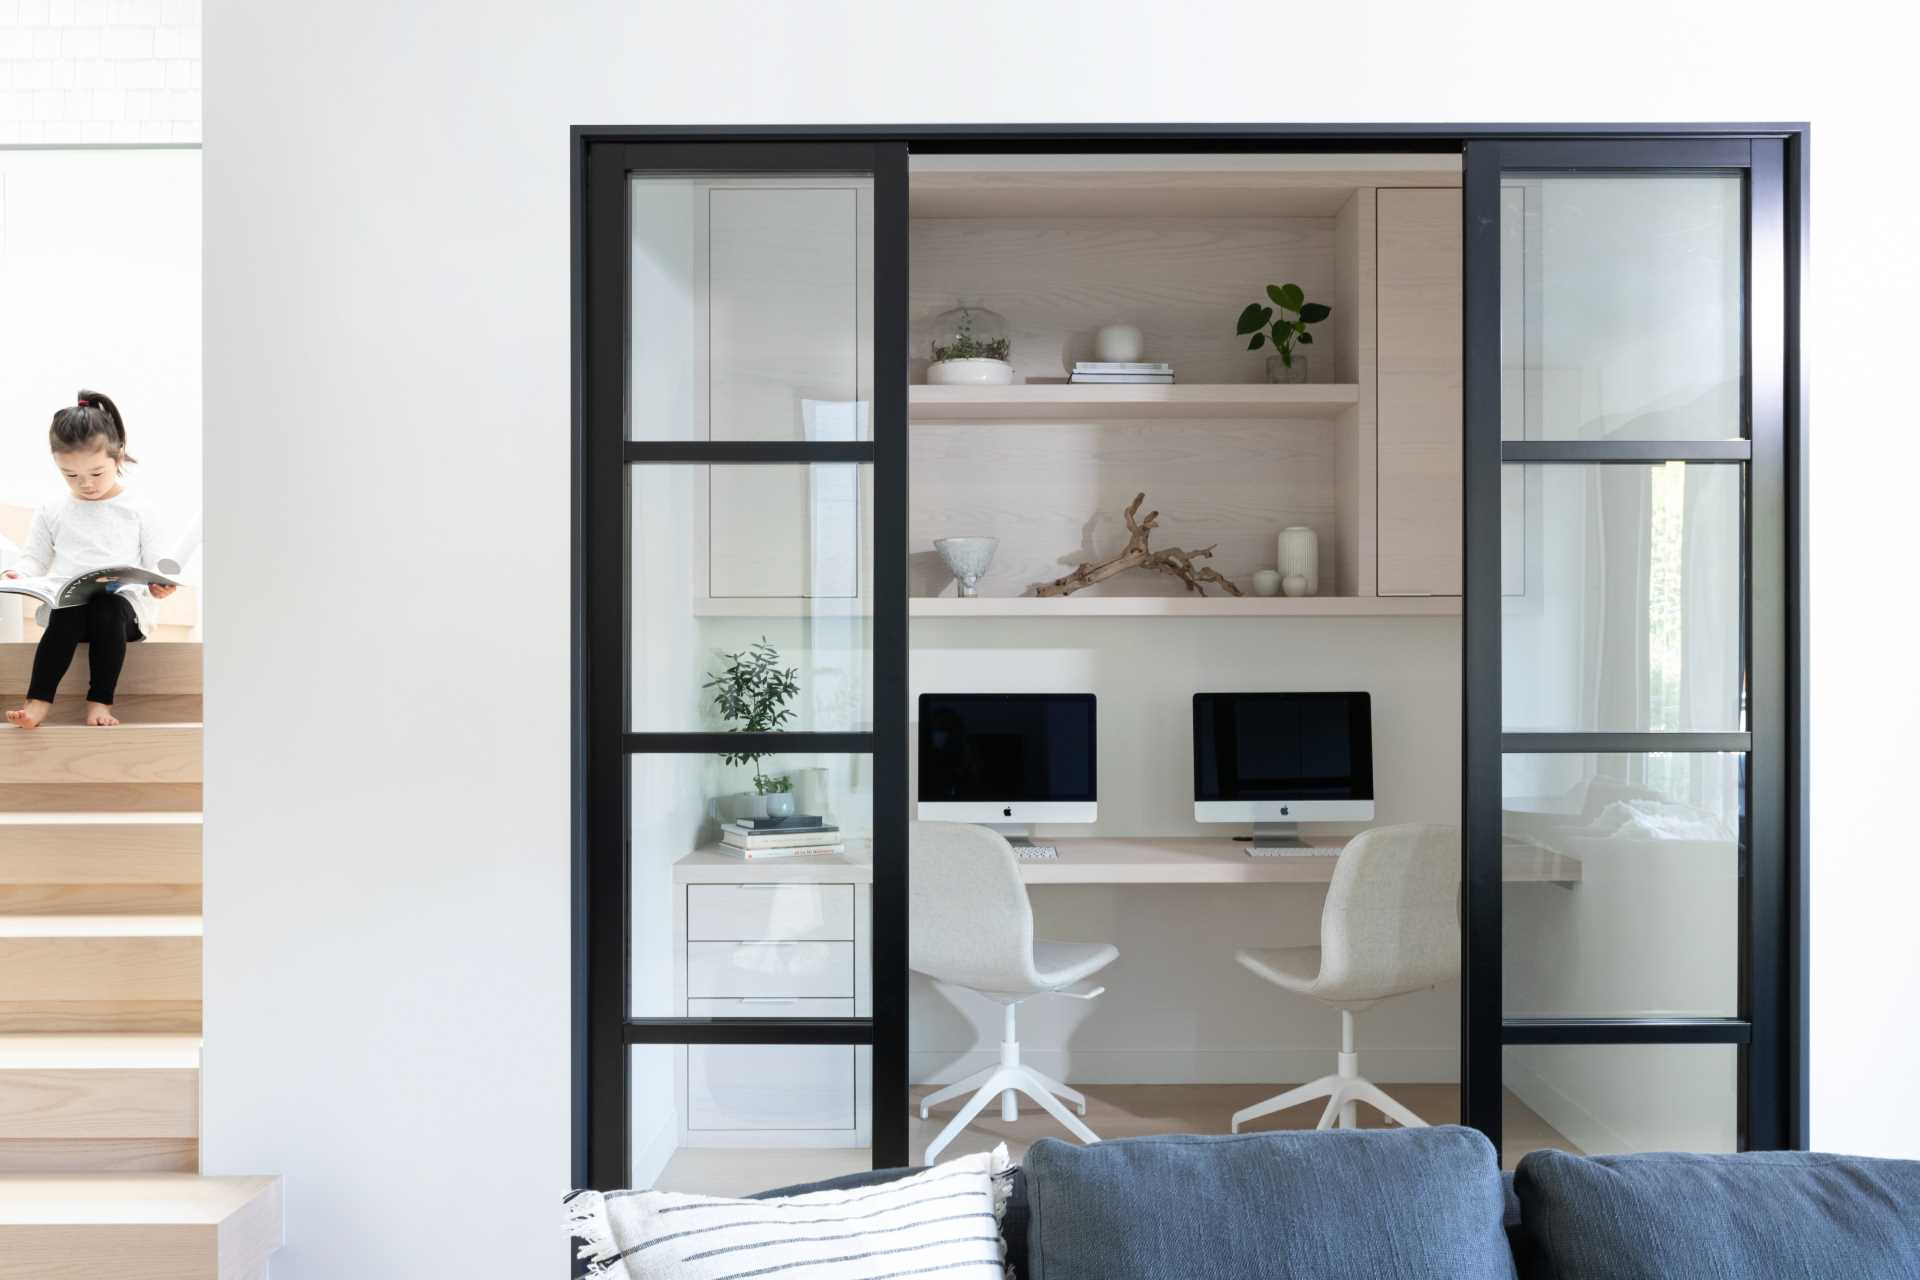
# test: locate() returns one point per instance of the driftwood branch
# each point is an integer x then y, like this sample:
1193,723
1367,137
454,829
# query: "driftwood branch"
1138,555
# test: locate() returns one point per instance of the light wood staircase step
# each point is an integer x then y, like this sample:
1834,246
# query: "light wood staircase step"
147,1226
96,798
99,1103
100,848
79,958
76,754
151,667
128,708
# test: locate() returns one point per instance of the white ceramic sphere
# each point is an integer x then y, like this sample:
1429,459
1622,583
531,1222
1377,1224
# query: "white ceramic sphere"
1119,343
1294,585
1266,582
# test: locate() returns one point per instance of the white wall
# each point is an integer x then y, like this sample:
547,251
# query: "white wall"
386,863
99,71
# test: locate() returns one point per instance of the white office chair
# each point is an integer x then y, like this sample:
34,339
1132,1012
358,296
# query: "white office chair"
971,926
1391,925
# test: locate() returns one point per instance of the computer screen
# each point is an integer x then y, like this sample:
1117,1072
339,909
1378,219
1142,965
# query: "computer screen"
1004,748
1282,747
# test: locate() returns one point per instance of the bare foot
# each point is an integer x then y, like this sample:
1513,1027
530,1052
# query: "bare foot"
101,713
30,714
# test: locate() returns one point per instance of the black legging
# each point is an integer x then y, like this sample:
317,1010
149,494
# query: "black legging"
106,623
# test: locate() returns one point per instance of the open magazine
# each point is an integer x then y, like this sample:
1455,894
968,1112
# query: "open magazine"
64,593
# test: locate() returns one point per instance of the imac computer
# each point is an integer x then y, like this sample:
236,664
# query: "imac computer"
1007,761
1279,759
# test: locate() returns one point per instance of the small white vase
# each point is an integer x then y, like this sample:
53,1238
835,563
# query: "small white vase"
1266,582
1119,343
779,804
1300,557
1294,585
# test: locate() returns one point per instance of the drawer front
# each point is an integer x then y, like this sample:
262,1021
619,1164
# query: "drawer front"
751,1086
779,912
731,970
770,1007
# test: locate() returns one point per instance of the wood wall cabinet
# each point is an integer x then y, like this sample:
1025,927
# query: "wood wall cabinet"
1419,391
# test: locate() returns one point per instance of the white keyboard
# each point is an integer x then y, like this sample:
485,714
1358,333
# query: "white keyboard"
1035,852
1288,851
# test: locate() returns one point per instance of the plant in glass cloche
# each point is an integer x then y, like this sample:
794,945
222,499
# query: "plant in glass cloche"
970,348
1285,365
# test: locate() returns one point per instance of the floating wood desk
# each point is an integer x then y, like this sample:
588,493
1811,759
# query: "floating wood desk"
1211,860
1117,860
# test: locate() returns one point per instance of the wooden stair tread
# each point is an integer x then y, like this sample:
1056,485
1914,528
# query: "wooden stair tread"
129,709
100,926
151,1199
99,1052
78,754
151,667
130,819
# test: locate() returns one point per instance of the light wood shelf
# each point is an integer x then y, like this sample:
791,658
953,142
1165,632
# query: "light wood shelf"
1082,606
1070,402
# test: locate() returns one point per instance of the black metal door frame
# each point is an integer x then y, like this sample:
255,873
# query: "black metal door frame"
1769,1029
1774,1110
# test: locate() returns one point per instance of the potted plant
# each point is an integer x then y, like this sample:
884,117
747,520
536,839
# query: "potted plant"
970,348
751,693
1288,327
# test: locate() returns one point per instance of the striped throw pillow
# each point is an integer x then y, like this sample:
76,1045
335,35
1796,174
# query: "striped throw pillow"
942,1224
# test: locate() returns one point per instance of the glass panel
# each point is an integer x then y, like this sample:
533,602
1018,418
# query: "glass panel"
1623,612
717,933
1621,307
729,557
752,314
731,1120
1609,1099
1648,922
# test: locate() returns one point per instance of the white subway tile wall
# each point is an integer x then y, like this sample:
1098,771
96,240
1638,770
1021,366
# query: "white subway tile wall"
99,71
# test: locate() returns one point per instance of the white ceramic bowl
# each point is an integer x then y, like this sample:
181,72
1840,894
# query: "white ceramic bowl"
970,373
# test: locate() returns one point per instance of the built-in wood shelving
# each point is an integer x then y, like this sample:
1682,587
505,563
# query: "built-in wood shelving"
1083,606
1060,401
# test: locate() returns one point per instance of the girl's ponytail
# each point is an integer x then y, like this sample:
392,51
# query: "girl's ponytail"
93,422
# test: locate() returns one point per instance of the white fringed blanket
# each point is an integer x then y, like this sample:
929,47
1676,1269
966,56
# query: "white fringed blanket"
943,1224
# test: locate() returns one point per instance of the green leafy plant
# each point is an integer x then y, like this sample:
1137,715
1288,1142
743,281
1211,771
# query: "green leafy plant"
1289,327
752,692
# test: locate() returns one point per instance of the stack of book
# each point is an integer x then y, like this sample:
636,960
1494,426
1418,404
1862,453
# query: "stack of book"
1122,371
789,837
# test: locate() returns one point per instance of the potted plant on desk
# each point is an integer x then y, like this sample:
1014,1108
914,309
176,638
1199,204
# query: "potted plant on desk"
751,693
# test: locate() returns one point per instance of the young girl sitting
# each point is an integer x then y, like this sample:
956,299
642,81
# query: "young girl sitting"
98,524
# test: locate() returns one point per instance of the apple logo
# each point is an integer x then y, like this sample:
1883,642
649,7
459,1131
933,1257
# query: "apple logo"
1007,812
1284,811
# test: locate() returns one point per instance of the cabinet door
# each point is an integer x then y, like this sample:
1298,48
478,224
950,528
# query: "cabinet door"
1419,391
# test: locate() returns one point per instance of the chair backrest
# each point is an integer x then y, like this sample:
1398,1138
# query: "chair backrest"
1392,919
969,922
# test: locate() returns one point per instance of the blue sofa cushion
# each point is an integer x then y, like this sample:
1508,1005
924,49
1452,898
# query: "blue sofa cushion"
1388,1205
1764,1215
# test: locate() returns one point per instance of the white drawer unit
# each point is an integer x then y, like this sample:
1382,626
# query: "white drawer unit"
783,938
769,911
734,970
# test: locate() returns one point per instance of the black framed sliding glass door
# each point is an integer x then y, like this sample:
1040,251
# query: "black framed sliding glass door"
1627,644
741,621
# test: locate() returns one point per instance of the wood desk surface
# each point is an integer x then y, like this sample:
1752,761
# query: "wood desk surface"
1206,860
1112,860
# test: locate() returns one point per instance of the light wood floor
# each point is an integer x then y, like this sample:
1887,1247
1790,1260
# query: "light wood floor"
1113,1111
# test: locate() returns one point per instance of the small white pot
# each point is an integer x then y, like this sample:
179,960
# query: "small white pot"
970,373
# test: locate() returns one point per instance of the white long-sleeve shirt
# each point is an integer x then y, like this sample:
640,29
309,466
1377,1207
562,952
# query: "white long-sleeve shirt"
71,535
